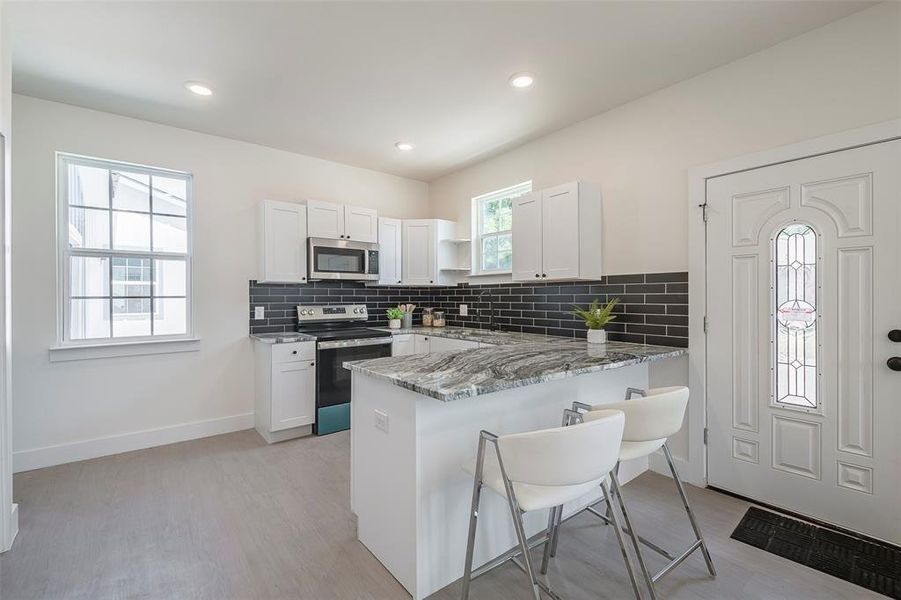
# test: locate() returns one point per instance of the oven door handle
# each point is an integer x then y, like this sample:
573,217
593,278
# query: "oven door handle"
354,343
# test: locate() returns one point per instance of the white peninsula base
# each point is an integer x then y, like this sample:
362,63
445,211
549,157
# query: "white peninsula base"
408,488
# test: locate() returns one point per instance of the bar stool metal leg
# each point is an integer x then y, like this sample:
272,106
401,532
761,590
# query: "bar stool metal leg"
521,536
691,516
630,528
552,522
473,516
622,544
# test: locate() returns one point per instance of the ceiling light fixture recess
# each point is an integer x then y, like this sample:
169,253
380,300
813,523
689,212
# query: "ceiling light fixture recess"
198,88
404,146
522,80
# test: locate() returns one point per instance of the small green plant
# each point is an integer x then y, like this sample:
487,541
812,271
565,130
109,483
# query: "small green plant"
596,316
394,313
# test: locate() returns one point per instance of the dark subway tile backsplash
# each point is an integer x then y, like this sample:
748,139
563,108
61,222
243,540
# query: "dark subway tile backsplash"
653,308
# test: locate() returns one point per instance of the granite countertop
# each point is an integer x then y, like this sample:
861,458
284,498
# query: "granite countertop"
482,336
462,374
282,338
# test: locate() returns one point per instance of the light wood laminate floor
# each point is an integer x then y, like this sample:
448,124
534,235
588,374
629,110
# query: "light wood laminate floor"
231,517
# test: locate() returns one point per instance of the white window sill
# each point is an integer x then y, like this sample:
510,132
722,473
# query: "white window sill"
116,349
490,273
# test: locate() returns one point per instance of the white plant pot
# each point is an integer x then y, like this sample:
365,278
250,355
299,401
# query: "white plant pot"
597,336
393,323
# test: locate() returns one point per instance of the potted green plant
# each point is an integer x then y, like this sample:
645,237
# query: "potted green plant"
596,318
394,317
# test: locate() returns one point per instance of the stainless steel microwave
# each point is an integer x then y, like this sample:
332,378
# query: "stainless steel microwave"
342,259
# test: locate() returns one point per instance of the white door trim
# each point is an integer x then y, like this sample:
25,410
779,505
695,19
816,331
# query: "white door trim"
697,260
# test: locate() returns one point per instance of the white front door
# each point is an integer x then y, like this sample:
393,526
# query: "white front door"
803,290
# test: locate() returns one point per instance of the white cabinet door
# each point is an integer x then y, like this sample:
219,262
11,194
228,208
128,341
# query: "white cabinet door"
421,344
390,251
441,344
560,232
361,224
419,264
293,394
325,219
527,237
283,249
402,345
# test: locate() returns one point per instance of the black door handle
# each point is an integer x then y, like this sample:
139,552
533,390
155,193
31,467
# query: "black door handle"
895,335
894,363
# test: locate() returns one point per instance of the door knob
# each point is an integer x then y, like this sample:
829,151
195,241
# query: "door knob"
895,335
894,363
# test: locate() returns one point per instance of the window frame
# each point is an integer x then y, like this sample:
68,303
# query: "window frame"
64,253
522,188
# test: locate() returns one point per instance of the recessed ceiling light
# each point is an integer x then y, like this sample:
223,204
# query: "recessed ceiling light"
404,146
198,88
522,80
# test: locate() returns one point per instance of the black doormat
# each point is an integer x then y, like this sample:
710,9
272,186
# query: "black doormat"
870,565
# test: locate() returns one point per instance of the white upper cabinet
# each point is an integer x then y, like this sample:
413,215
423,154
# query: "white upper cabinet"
390,251
420,266
325,219
340,222
557,234
361,224
428,244
283,242
527,232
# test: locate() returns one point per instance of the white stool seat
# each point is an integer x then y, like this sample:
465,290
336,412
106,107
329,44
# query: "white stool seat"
630,450
529,496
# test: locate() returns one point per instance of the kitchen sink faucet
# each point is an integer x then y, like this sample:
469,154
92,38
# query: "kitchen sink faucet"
492,326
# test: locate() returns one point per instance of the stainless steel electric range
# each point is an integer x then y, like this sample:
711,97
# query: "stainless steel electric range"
341,335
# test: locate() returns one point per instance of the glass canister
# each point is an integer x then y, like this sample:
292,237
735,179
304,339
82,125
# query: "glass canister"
426,317
438,318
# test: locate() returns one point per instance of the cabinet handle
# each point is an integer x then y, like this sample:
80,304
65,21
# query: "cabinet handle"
430,281
398,281
312,364
544,274
294,352
537,275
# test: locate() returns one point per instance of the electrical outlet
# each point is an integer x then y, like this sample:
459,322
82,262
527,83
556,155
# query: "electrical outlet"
259,313
381,421
464,310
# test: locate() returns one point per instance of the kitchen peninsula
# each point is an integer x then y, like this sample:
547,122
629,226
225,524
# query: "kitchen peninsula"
415,423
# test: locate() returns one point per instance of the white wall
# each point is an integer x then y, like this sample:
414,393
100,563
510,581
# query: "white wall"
64,403
844,75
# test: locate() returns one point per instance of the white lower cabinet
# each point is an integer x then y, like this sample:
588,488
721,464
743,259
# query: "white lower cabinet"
421,344
442,344
285,375
402,345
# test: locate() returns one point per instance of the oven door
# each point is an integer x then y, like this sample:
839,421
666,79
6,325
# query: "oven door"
341,259
333,380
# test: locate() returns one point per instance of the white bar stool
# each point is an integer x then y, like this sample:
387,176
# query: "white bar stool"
540,470
650,420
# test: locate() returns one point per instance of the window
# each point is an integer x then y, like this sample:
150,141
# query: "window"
124,246
493,220
796,316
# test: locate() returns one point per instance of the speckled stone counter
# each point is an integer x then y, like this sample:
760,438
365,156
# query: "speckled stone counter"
482,336
281,338
513,362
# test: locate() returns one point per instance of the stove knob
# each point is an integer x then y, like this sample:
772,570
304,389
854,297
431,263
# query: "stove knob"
302,312
356,311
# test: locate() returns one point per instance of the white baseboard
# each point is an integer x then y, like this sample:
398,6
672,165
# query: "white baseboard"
38,458
657,463
13,527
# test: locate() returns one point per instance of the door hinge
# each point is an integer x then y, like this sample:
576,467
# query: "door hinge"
703,208
706,324
706,435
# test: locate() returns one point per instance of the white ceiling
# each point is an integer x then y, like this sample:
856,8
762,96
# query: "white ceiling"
345,80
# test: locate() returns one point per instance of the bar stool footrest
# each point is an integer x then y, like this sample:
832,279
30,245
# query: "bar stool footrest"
677,561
